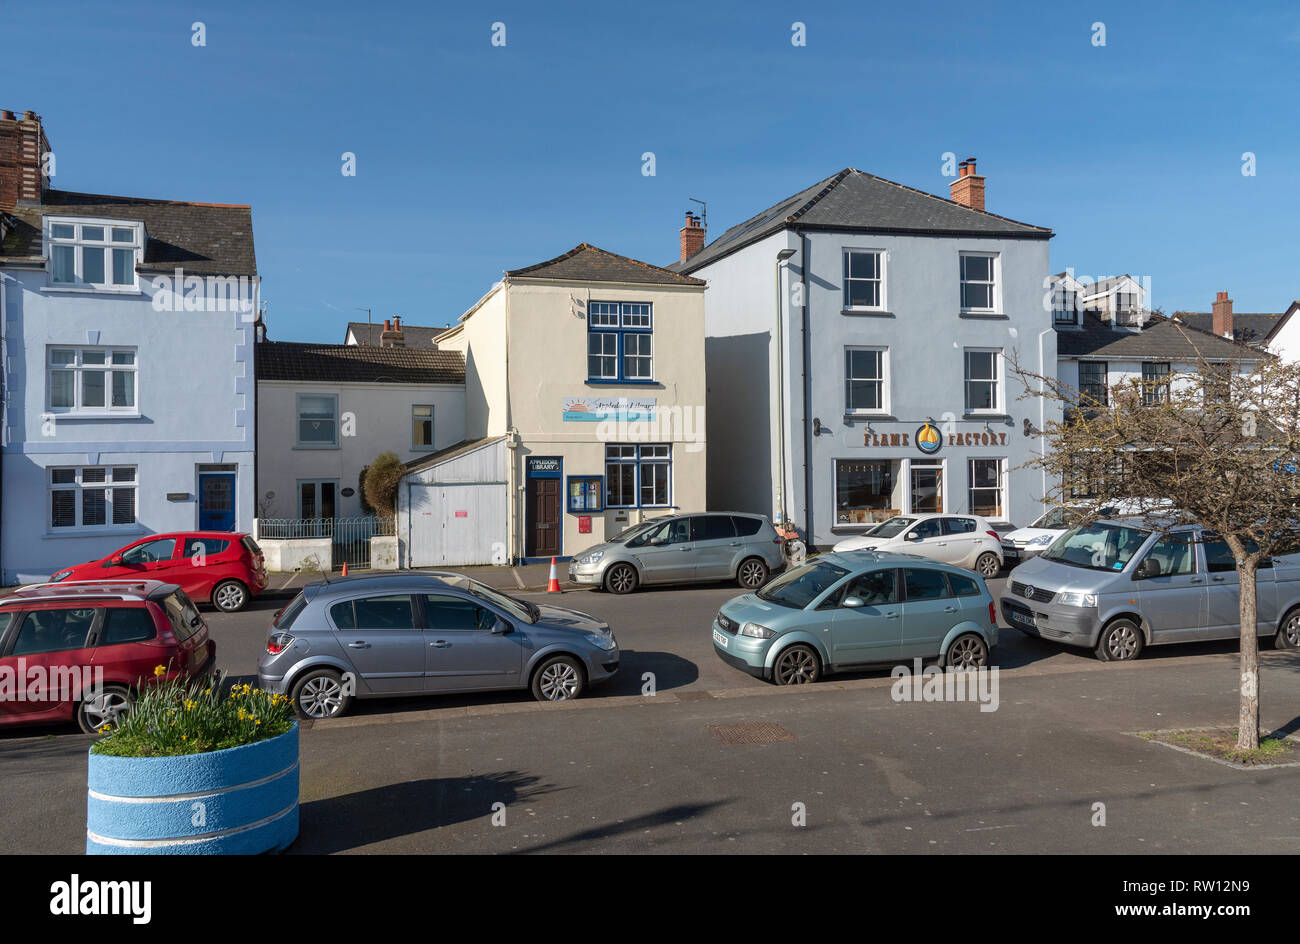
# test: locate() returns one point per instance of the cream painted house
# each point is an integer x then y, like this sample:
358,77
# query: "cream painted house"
590,369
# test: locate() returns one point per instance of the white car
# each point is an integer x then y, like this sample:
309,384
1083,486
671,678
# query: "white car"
963,540
1024,544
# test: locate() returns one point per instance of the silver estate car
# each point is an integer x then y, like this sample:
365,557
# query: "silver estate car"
1120,585
696,548
427,633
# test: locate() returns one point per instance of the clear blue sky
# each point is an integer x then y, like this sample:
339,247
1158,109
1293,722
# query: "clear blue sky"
472,158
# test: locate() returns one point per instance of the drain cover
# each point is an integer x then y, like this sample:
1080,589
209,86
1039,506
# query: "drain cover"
750,732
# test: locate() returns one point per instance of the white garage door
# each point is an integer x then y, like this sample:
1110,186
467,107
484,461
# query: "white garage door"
457,525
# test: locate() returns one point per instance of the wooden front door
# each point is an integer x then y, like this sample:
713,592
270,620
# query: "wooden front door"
543,517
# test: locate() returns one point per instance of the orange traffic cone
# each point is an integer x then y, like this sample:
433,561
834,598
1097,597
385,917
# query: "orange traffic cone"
345,568
553,585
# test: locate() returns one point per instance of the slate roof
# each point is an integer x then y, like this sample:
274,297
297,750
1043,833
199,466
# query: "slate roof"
416,336
351,363
857,201
1247,327
447,453
587,263
1160,339
202,238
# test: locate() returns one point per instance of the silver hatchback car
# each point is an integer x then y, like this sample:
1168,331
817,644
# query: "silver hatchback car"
423,634
695,548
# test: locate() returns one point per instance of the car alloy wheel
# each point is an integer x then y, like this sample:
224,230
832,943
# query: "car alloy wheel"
753,574
1288,637
988,565
558,680
230,596
797,665
968,652
1121,641
621,579
321,696
104,707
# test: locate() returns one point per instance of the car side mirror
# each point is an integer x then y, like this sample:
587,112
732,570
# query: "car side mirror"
1147,569
501,627
657,542
115,559
912,536
854,602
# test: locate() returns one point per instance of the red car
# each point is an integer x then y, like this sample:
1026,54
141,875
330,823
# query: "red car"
83,650
219,567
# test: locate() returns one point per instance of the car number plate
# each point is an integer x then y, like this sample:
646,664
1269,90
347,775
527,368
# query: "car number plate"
1019,617
720,639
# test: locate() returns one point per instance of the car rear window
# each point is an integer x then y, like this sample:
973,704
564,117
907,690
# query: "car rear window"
963,586
182,614
958,525
290,613
250,545
127,624
924,584
387,612
747,527
209,547
712,528
53,631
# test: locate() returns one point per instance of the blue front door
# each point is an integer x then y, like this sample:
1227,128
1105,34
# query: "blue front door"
217,501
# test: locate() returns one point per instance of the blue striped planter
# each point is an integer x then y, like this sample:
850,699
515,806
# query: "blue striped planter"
240,801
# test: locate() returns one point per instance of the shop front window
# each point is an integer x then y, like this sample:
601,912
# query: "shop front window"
866,491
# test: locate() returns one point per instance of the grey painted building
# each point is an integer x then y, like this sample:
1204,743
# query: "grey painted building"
859,340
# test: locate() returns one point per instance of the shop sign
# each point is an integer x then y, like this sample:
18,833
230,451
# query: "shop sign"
929,440
617,409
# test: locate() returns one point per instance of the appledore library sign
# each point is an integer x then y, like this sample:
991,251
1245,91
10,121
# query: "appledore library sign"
929,439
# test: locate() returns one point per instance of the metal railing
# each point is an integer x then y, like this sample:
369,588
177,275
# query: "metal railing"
349,537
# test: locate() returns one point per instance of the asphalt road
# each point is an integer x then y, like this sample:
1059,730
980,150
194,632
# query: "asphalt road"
621,772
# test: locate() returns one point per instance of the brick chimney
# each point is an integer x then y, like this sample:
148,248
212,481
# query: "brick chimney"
1221,319
392,335
22,148
692,236
968,188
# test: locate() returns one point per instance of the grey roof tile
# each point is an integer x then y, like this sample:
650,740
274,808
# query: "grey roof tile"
1160,339
352,363
587,263
415,336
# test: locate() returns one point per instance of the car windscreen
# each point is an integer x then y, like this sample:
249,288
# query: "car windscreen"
799,587
891,528
623,536
1097,546
519,609
1054,520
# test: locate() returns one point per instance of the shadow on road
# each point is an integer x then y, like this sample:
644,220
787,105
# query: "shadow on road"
357,819
669,814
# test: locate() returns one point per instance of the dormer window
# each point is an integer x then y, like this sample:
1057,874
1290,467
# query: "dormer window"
99,254
1065,306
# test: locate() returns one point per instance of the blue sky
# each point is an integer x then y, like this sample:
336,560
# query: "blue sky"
472,158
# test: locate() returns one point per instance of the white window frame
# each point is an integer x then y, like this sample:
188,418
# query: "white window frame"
881,259
995,273
884,380
1001,486
432,431
317,484
79,243
79,487
78,369
999,392
297,421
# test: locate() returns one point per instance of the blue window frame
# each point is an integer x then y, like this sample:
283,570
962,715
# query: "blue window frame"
620,342
638,476
585,494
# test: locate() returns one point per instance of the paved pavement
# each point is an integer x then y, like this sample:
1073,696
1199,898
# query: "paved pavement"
620,772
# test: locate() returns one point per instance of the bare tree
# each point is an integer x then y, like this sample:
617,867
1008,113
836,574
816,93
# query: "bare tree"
1214,444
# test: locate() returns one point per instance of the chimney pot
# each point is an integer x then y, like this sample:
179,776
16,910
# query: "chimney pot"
968,188
6,115
692,236
1221,317
29,115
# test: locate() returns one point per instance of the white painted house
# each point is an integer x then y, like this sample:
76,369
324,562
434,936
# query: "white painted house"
857,353
325,411
128,328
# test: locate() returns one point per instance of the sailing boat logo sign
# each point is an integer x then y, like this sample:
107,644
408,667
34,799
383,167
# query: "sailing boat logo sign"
928,439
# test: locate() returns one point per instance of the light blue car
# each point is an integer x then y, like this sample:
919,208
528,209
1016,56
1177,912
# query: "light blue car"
849,610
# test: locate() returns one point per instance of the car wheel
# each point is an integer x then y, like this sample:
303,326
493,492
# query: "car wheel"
621,578
1121,641
230,596
320,694
797,665
1288,637
104,706
966,652
988,565
752,573
558,679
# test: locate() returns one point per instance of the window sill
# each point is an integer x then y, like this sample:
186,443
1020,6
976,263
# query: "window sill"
309,448
985,416
90,290
93,416
851,418
96,531
623,383
984,315
867,312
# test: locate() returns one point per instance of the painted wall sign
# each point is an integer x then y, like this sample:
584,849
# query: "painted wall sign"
619,409
931,446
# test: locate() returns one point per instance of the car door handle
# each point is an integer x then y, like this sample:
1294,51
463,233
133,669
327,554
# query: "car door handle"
359,644
950,609
441,644
1217,579
735,544
889,616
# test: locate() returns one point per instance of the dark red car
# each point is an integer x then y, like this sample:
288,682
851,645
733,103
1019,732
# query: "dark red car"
83,650
218,567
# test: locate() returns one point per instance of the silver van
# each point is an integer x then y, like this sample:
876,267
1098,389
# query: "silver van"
1120,585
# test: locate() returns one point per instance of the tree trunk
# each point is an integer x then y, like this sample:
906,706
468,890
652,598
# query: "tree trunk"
1248,715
